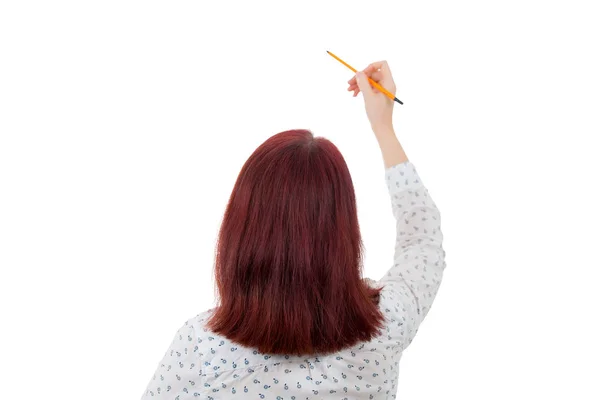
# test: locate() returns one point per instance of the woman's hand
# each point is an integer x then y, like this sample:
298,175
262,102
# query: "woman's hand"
379,107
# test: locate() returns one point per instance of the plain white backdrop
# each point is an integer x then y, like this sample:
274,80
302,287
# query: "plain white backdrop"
124,124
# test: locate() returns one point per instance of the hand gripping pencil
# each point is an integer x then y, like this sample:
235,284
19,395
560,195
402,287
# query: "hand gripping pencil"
377,85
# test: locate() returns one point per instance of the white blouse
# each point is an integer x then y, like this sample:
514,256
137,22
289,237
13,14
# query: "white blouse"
202,365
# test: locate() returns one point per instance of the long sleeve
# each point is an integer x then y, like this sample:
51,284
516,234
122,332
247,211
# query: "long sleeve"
411,284
178,374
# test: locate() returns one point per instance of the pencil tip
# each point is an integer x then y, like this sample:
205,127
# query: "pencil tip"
327,51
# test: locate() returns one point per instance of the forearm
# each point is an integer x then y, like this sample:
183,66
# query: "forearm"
390,146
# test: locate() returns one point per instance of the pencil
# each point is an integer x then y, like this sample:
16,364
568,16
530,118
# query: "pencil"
377,85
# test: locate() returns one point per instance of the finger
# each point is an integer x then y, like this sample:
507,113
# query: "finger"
351,88
383,76
383,69
357,89
379,65
363,84
371,72
368,71
377,76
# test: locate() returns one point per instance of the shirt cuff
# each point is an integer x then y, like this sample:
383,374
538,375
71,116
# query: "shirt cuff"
402,177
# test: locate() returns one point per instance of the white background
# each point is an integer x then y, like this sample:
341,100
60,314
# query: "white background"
124,125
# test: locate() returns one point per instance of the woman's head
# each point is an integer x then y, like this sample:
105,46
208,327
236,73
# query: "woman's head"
289,253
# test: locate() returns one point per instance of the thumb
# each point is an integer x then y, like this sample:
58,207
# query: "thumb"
363,84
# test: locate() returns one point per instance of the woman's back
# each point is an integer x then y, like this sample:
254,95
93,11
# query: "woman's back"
202,365
224,370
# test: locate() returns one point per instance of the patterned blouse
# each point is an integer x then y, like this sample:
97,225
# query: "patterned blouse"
202,365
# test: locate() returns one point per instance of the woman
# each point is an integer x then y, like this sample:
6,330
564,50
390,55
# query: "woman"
295,320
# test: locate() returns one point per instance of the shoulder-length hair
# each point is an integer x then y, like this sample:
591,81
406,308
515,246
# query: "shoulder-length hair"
288,258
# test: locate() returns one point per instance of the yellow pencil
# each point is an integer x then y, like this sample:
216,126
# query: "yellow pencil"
377,85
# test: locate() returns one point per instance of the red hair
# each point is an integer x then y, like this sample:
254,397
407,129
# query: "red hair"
288,258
